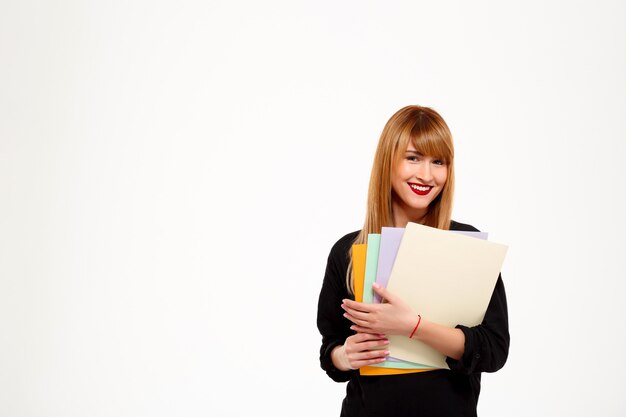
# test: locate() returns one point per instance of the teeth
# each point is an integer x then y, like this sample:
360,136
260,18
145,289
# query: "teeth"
420,188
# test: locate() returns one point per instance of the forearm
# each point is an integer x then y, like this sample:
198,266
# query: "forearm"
446,340
396,318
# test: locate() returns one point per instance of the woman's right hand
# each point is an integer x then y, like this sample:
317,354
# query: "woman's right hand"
360,350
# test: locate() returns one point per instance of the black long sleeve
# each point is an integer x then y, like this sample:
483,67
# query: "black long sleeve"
330,321
451,392
486,345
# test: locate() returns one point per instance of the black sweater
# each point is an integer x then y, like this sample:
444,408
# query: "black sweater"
447,393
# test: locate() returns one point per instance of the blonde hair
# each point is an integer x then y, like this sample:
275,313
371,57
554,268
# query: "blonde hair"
429,133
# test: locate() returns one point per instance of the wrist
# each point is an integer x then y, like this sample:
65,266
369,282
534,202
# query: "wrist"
340,358
415,326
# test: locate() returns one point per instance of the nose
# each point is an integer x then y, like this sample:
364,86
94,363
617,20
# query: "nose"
425,174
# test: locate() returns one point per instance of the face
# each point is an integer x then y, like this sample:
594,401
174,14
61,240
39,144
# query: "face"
416,181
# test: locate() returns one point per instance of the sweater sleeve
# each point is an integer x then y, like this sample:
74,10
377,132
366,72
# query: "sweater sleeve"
486,345
333,327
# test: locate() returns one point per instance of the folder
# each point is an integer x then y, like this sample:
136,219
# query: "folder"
359,259
358,269
446,277
371,265
389,242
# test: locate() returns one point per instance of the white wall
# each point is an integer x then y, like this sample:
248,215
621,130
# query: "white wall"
173,175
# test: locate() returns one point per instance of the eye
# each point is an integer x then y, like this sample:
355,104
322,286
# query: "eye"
439,162
413,156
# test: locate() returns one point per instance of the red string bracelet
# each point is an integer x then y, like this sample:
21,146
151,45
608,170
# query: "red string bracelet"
419,319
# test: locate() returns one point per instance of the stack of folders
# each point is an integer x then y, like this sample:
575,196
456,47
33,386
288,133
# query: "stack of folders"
446,276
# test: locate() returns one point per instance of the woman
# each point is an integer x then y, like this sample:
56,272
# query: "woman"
412,181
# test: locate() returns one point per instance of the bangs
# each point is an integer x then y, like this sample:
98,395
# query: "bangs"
434,141
432,146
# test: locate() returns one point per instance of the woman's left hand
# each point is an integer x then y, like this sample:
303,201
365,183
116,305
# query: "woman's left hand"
393,317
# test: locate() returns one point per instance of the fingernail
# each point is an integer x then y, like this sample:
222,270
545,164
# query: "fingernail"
386,352
375,285
385,342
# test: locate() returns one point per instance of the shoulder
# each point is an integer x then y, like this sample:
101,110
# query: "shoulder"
340,252
343,245
462,227
339,256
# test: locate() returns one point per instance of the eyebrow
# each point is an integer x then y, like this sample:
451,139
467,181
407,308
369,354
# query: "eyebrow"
414,152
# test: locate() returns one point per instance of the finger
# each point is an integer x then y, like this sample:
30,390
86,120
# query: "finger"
384,293
377,345
366,336
359,322
356,313
355,305
368,355
367,345
360,364
371,341
364,330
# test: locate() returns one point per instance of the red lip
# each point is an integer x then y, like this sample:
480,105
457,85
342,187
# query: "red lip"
419,192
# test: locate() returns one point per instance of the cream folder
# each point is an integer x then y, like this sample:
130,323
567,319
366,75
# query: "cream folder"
446,277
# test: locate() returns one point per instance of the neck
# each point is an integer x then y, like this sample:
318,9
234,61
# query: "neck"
401,216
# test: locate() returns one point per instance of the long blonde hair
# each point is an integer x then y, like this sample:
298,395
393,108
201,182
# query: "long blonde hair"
429,133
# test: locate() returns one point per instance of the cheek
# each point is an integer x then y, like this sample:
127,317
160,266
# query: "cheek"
442,177
396,182
398,179
402,172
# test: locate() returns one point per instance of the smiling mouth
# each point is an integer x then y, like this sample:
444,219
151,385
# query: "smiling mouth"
420,189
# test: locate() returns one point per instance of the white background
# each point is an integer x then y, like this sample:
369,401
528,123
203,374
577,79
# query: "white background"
173,175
